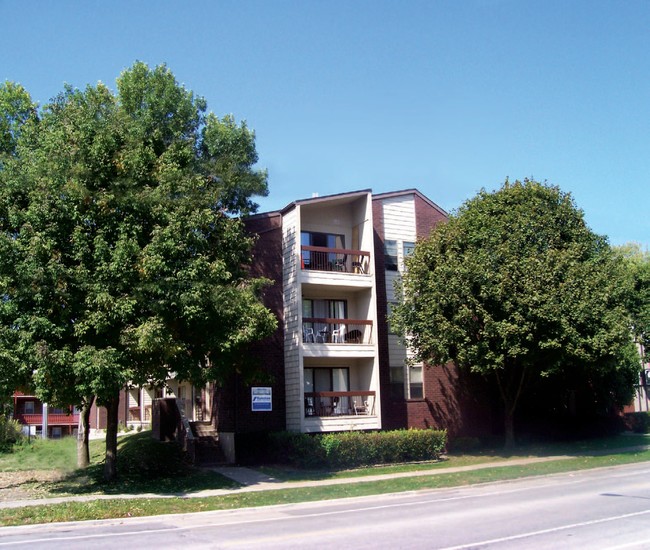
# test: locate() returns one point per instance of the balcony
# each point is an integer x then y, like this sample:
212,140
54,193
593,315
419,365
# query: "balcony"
323,330
338,260
339,403
53,419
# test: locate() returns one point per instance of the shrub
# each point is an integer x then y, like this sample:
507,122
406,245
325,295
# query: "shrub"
354,449
10,433
297,449
639,422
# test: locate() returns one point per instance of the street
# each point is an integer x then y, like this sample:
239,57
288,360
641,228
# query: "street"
604,508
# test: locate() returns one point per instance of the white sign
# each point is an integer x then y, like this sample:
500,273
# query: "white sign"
261,399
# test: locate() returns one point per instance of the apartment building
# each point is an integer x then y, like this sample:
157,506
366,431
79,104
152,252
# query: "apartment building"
335,364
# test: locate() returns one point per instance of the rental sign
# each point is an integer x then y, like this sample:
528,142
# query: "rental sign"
261,399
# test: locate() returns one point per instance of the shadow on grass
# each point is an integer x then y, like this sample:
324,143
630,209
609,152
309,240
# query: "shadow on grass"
144,465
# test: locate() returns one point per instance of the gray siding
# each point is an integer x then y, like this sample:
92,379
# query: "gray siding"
291,319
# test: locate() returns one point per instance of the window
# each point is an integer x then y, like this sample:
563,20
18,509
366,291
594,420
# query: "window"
321,331
28,407
326,379
413,386
57,432
415,382
320,260
390,255
408,248
397,383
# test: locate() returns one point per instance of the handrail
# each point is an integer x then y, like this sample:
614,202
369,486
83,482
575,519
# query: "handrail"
348,251
327,330
336,321
339,403
322,258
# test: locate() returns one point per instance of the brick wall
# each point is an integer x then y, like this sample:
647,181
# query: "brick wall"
232,401
452,400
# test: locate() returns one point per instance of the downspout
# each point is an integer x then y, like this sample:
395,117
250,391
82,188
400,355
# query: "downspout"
44,429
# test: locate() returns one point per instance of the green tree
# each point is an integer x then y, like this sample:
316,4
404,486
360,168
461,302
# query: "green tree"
638,262
516,287
123,251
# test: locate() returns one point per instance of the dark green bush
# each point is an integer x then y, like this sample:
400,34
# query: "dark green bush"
354,449
297,449
638,422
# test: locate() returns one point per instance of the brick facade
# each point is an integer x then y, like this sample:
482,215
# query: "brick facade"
232,400
451,400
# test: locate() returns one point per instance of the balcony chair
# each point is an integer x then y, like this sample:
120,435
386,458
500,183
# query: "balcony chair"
338,335
360,409
358,266
340,264
308,335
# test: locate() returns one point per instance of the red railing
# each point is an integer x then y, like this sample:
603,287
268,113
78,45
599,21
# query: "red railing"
324,330
321,258
339,403
52,419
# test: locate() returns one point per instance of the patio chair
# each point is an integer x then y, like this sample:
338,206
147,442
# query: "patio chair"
338,335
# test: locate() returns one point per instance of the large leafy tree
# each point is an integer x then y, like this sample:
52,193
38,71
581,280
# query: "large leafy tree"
638,262
123,254
515,287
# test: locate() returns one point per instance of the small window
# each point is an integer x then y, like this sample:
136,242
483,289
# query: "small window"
415,382
408,249
28,407
397,383
57,432
390,255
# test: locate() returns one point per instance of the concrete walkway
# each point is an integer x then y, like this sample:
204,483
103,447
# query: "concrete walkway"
253,480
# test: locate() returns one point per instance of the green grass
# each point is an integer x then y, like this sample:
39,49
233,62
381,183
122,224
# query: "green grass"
45,454
146,463
144,466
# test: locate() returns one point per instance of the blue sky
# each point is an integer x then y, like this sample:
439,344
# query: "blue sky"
445,96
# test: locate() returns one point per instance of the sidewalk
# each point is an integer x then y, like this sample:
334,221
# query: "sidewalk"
253,481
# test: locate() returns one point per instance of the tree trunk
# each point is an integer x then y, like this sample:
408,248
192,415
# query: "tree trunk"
509,428
83,434
110,464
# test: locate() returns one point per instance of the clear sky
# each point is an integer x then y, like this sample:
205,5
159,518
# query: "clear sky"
445,96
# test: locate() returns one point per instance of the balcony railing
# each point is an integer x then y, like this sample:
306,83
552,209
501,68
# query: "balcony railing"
339,403
52,419
323,330
321,258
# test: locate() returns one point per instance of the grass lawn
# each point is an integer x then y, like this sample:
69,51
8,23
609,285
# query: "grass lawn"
145,465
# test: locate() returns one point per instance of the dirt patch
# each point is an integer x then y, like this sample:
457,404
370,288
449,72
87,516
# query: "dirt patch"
27,485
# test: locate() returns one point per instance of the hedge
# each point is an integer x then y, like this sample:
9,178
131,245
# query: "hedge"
638,422
354,449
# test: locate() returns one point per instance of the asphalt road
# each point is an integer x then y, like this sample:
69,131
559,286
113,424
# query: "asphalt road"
597,509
